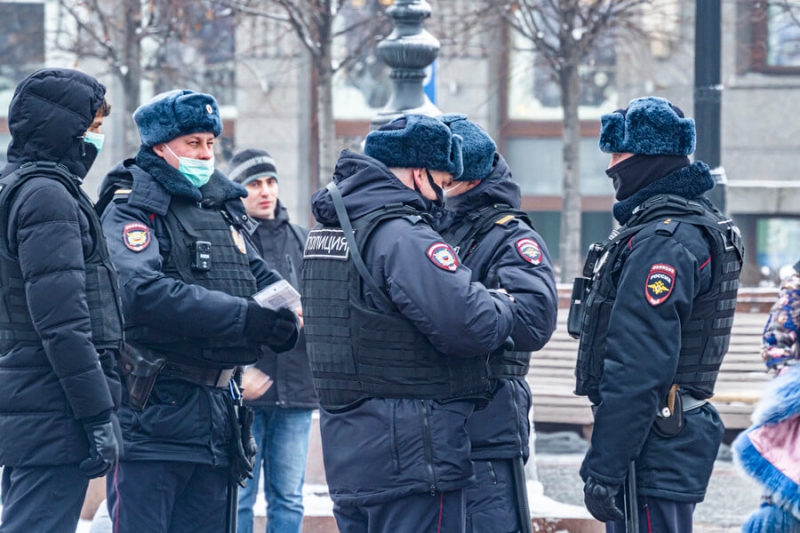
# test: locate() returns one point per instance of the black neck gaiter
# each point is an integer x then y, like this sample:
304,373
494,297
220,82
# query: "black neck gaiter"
640,171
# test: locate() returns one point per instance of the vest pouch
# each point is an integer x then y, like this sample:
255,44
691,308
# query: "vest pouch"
577,303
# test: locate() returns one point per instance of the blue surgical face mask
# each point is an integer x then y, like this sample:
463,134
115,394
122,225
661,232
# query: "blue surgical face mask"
94,138
197,171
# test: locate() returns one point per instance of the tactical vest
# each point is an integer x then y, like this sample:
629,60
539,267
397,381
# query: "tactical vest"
705,336
359,353
464,237
189,225
102,288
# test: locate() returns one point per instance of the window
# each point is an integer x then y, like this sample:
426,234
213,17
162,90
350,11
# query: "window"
776,36
21,46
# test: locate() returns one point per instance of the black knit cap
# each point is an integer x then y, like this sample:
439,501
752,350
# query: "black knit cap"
251,164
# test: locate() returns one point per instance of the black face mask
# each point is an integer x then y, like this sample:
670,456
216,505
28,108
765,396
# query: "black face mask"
639,171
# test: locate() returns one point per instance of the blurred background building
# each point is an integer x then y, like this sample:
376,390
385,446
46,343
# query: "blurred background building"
266,64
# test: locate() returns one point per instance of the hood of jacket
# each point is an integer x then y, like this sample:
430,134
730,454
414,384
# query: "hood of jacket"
366,184
496,188
49,113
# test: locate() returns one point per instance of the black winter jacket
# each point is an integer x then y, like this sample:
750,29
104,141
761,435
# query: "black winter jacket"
385,448
183,421
47,386
502,429
281,244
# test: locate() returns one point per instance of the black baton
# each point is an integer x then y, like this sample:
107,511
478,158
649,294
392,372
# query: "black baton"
521,488
631,501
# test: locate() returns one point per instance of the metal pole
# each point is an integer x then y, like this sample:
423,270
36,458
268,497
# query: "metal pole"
708,94
408,50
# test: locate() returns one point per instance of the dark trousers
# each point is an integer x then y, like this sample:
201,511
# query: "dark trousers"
47,499
167,497
421,513
492,498
657,515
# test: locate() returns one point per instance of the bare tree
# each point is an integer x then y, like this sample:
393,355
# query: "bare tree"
314,24
137,41
564,35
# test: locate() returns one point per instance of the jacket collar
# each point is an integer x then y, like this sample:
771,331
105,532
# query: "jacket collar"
689,182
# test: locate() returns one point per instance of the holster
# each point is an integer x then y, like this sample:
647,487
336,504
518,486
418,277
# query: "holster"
670,419
140,368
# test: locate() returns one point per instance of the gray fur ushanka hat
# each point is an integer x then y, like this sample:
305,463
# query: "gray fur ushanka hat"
416,141
175,113
478,148
649,126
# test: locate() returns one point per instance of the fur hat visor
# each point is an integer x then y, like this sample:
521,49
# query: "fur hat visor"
175,113
416,141
478,147
649,126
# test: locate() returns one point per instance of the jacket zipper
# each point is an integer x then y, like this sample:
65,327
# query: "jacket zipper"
292,273
426,435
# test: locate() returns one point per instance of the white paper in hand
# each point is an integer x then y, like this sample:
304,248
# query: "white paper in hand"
277,295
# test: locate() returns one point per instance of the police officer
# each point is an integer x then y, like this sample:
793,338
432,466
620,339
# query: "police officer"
61,322
397,333
497,242
657,323
176,230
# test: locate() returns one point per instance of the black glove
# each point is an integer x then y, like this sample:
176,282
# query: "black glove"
103,448
244,448
599,500
276,329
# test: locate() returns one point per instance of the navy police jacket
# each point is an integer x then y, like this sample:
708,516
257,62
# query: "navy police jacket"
643,344
383,449
502,429
48,385
183,421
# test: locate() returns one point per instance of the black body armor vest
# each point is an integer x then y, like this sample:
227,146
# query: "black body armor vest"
464,238
705,336
102,288
359,353
191,230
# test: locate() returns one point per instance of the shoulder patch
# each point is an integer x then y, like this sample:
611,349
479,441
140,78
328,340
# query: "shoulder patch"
530,251
136,236
329,243
443,256
659,284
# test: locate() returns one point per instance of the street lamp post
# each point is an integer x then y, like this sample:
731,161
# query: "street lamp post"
408,50
708,94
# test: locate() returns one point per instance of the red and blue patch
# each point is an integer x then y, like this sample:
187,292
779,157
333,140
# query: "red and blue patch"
136,236
530,251
443,256
660,282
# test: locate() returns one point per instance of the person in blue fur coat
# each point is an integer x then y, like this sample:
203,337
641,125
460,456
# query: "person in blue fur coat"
768,450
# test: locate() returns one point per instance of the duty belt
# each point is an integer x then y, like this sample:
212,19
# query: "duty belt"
210,377
689,403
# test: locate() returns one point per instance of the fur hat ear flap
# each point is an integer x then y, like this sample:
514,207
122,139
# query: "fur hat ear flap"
771,519
457,156
612,133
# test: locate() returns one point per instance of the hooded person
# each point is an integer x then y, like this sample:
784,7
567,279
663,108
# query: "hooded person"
179,236
499,245
279,389
656,323
397,334
61,328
